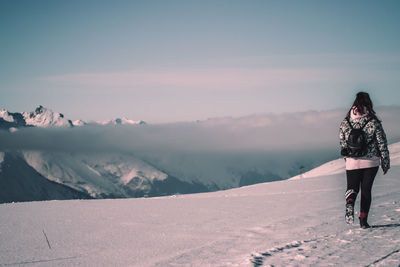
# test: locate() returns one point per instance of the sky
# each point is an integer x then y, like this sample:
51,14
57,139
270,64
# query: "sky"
169,61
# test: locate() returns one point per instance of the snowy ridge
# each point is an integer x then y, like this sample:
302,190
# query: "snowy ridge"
46,118
121,121
330,168
5,115
78,123
43,117
98,175
10,120
338,166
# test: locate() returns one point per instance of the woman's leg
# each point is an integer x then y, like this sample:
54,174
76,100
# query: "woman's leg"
366,186
353,185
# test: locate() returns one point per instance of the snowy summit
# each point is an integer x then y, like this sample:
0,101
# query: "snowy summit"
121,121
43,117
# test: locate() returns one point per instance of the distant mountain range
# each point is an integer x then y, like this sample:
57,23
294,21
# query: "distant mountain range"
43,117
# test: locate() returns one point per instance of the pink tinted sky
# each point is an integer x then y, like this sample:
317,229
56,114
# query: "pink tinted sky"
166,61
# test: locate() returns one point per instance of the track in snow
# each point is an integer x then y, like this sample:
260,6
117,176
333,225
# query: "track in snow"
377,246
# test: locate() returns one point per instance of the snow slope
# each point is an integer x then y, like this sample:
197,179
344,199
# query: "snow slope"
98,174
330,168
19,182
298,222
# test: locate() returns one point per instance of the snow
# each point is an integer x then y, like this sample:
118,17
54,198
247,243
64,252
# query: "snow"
120,121
330,168
95,173
46,118
43,117
5,115
395,153
78,123
298,222
1,157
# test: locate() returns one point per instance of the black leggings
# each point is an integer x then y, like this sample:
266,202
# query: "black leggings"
365,178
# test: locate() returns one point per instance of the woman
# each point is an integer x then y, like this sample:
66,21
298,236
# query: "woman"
364,146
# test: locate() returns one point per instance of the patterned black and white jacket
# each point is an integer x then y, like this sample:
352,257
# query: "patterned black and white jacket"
376,138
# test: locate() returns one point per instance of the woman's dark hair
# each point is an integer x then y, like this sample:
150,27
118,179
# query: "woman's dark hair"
363,104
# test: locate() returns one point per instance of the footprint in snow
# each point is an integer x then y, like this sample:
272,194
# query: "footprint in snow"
375,247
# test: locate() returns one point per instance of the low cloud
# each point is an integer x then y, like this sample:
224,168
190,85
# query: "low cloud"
273,132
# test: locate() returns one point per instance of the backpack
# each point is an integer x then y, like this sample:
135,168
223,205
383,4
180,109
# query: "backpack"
357,145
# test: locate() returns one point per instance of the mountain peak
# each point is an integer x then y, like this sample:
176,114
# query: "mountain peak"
43,117
40,110
121,121
5,115
11,120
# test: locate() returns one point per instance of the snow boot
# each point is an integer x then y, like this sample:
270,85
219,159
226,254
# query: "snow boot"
350,197
349,213
363,220
364,224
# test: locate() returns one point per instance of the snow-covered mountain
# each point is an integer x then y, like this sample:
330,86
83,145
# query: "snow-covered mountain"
43,117
19,182
11,120
121,121
120,175
78,123
46,118
296,222
100,175
90,175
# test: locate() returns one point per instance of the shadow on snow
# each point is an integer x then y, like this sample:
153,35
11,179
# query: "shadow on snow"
386,225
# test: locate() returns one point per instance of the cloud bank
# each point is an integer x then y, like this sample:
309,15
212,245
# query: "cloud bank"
271,132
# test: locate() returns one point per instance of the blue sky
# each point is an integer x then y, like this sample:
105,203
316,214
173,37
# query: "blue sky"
166,61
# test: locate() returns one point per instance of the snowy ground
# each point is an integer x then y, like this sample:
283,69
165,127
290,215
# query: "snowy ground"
298,222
